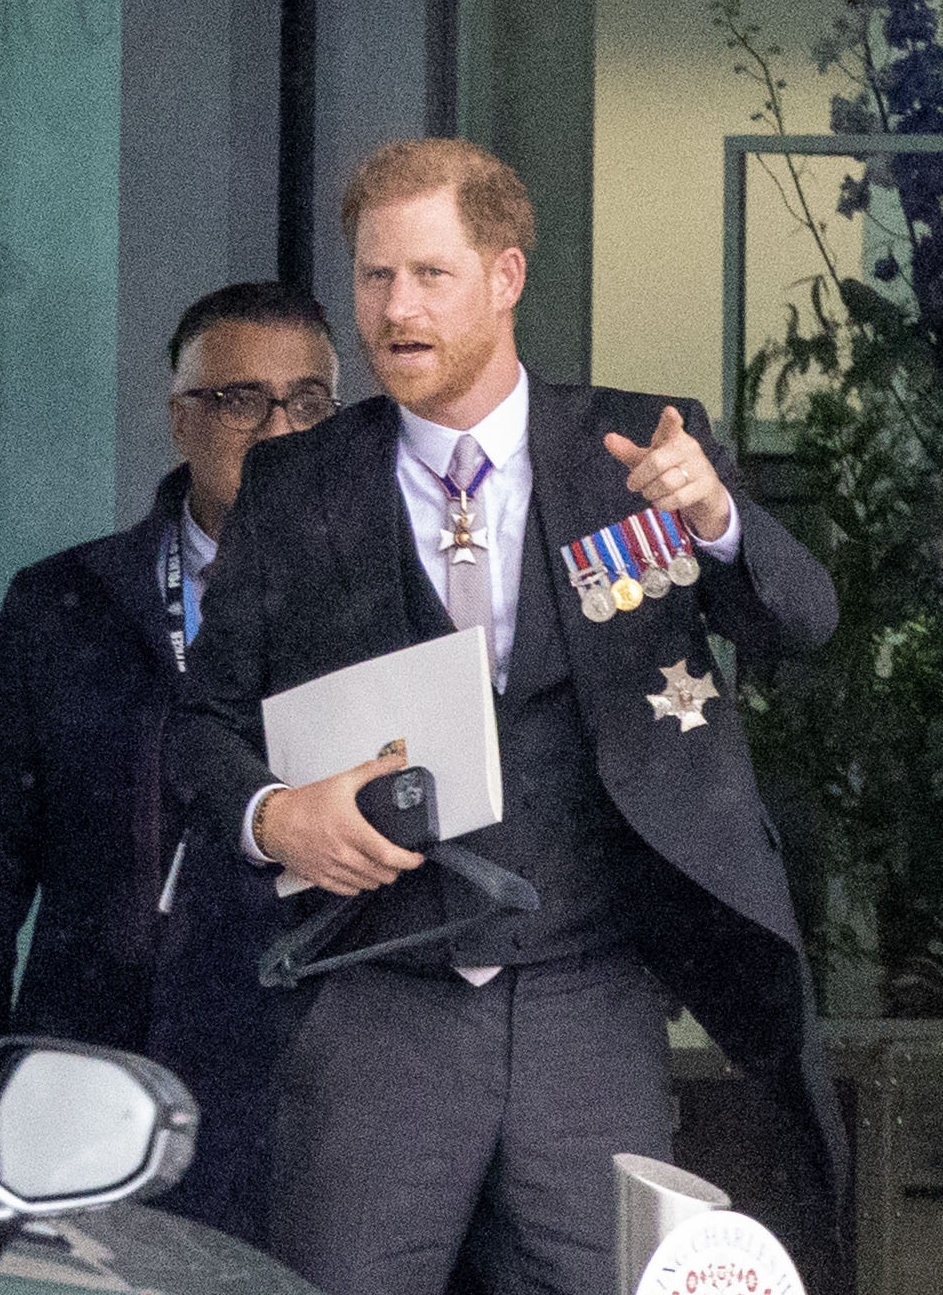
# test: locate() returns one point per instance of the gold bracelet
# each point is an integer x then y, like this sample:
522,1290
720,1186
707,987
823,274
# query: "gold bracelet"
258,819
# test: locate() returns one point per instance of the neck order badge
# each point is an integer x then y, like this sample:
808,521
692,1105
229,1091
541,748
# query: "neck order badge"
469,580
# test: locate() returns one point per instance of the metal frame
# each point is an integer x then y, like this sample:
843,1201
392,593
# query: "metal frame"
736,150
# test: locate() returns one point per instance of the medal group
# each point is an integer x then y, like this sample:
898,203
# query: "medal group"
642,556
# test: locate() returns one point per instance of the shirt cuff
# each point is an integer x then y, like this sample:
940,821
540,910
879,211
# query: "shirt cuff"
247,840
726,548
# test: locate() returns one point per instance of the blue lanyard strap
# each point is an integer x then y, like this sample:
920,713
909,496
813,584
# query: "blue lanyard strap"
191,610
183,609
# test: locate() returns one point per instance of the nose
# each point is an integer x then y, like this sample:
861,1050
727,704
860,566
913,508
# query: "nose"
402,301
276,424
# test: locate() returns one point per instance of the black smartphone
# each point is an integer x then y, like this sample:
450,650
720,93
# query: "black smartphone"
402,807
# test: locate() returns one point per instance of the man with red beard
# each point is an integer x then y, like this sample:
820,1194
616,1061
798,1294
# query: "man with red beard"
475,1093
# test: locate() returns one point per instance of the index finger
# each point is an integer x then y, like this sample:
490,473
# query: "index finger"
669,425
622,448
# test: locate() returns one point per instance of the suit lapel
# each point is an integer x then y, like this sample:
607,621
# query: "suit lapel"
556,419
578,488
126,564
371,539
578,485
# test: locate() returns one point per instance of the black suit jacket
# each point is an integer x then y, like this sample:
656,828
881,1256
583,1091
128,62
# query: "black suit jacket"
86,675
311,579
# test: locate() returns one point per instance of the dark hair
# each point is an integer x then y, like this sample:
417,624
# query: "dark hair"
257,303
492,200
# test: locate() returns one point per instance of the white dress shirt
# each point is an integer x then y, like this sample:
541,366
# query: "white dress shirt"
197,551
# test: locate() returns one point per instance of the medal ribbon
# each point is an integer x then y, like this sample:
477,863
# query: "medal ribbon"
677,532
609,558
579,565
597,561
655,534
454,491
621,540
641,538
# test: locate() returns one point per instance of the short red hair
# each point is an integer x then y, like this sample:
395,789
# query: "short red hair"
492,200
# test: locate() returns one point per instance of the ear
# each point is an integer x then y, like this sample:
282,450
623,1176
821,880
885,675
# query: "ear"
508,272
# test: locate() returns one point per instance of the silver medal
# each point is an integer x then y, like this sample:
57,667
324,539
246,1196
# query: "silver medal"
683,569
655,581
598,604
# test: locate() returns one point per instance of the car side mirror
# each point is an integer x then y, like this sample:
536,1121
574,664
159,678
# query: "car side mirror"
83,1126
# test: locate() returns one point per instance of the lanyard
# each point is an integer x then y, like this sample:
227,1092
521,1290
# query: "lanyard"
183,612
183,621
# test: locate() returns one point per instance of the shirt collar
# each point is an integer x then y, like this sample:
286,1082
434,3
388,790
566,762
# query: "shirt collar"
197,549
500,433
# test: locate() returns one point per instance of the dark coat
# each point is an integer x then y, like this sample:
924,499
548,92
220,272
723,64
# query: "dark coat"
311,579
86,675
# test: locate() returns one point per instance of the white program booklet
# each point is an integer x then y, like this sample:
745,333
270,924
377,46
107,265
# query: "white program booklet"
436,697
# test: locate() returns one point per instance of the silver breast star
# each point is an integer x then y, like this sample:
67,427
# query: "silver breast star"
683,696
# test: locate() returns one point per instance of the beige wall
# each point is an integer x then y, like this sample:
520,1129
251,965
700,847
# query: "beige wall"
665,97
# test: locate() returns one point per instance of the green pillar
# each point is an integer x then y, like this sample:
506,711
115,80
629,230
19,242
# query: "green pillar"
59,104
525,90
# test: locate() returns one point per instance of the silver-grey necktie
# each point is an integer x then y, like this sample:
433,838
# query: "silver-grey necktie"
465,539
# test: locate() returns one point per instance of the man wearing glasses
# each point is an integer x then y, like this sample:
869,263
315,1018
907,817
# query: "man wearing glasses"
93,645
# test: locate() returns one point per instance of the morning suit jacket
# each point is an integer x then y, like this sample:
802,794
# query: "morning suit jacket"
86,677
311,579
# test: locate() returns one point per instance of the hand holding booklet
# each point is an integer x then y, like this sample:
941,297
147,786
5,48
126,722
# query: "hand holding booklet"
435,698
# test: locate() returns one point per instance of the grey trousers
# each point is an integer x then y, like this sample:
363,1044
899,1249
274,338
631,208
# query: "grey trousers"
415,1112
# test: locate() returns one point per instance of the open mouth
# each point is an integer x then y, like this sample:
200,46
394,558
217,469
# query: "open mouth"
409,348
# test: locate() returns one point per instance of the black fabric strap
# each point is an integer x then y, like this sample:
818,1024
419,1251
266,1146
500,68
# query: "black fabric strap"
283,963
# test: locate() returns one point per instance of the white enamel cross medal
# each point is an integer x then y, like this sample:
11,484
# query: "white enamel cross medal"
462,538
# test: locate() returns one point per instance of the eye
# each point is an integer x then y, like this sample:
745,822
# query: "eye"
431,271
376,274
314,404
240,401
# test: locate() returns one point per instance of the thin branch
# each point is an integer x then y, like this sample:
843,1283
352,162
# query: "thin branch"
774,105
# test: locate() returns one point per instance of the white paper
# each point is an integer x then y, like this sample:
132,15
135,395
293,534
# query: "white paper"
436,695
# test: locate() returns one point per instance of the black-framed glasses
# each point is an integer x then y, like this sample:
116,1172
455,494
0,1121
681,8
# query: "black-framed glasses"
245,409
